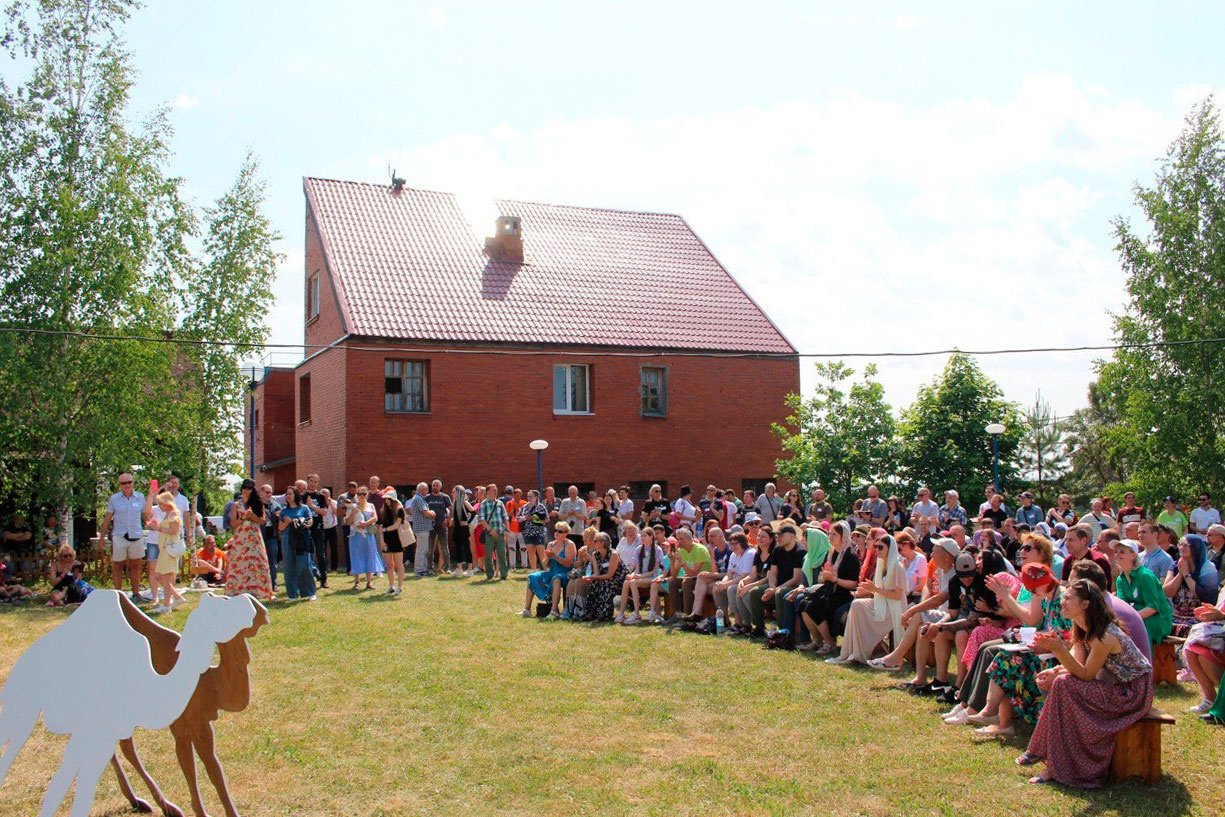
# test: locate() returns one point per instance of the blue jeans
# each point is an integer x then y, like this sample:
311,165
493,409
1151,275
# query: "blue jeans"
303,582
272,547
288,568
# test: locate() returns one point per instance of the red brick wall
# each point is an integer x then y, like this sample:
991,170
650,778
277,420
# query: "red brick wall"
329,325
321,441
486,408
276,432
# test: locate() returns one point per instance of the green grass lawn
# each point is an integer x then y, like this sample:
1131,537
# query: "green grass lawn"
444,702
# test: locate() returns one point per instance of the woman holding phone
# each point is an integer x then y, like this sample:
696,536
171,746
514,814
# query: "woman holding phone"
169,530
247,557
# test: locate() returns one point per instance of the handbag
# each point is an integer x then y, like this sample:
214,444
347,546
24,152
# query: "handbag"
176,549
407,537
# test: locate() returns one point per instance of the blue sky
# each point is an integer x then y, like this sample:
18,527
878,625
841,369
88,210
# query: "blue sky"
904,176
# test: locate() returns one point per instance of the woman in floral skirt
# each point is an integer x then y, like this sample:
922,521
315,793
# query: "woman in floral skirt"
247,558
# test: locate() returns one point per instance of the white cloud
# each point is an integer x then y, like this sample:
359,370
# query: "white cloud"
864,225
438,19
186,102
907,22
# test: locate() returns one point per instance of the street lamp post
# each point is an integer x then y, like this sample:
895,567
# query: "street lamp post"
539,446
995,430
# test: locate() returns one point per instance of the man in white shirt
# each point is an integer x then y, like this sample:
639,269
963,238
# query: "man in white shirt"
625,505
124,523
1205,515
1097,519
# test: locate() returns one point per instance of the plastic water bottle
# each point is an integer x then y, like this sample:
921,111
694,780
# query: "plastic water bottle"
719,623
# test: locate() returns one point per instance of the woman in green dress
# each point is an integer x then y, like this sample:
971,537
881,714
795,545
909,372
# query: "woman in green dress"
1137,586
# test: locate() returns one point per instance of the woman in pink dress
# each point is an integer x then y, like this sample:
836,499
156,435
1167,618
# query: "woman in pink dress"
248,560
1103,685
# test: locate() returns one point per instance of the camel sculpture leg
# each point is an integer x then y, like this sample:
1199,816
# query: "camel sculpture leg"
84,760
126,788
212,764
16,726
128,746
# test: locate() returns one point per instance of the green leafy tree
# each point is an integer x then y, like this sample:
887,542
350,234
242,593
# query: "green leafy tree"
1042,451
230,297
92,237
943,441
1170,399
842,438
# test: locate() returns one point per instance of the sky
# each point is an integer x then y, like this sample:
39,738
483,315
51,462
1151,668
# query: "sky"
902,176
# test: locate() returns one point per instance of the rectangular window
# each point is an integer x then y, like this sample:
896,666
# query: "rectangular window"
406,386
654,391
641,489
255,421
304,398
572,389
756,485
312,297
561,489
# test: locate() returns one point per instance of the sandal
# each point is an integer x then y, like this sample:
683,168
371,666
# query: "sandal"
1039,780
1026,759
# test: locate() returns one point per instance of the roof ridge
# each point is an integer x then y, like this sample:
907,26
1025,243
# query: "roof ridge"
592,209
376,186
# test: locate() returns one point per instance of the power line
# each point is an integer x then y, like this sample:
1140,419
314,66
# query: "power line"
171,338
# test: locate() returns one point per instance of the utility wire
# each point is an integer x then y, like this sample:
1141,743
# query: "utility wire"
174,339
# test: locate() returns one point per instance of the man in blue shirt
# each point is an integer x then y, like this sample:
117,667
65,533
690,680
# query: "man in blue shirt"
1153,557
1029,513
124,522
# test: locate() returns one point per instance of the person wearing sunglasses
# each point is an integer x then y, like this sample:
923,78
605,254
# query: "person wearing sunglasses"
874,616
124,524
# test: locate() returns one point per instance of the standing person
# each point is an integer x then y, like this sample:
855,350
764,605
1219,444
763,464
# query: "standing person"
270,531
393,523
573,511
315,501
533,518
1205,516
515,544
343,503
625,505
169,527
123,523
553,504
374,493
157,513
296,523
422,521
492,514
819,510
793,509
874,511
1097,519
363,550
769,505
331,530
683,509
1130,512
656,509
605,517
461,532
1103,685
247,569
1173,518
440,504
952,512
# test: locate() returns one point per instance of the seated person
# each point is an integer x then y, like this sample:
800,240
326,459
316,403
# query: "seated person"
824,610
932,605
1137,586
1206,660
10,588
68,585
546,584
648,563
766,540
605,579
209,563
720,554
691,558
873,617
1103,685
915,563
1191,582
991,620
576,588
785,571
739,567
937,640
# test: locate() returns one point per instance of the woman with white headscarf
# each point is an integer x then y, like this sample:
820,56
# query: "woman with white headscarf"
879,608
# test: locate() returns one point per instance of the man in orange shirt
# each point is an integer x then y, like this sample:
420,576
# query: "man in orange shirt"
516,549
209,563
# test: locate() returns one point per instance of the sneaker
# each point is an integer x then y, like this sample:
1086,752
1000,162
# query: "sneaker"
957,710
1202,707
620,619
960,719
632,618
158,610
524,613
552,616
314,598
391,591
879,663
180,601
399,591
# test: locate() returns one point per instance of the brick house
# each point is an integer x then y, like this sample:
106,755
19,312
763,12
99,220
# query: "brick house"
616,336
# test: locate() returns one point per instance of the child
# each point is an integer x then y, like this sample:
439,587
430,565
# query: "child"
72,589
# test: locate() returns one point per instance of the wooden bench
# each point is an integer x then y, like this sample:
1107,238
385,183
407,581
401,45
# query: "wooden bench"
1165,666
1137,749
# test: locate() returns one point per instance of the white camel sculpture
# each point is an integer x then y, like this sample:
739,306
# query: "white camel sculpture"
124,690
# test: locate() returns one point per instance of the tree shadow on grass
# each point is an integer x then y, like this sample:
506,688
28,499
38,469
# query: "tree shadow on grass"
1134,798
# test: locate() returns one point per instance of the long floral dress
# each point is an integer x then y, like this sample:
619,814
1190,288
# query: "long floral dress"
601,593
1076,731
1015,672
248,563
1184,603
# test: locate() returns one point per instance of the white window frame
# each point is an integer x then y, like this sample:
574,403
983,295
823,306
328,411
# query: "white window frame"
663,391
312,297
569,381
396,367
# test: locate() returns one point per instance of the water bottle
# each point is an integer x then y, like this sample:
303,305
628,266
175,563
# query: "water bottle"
719,623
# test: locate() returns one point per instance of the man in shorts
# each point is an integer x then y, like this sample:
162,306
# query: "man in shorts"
124,523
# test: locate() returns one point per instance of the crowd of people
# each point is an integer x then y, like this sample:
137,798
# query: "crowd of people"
1051,616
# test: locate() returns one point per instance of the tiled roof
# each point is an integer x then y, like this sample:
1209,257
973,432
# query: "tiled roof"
409,265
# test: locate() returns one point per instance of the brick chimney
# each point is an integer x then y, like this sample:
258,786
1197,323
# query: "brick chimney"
506,244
